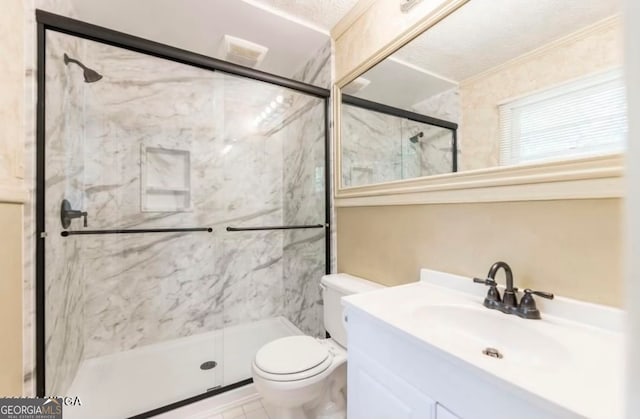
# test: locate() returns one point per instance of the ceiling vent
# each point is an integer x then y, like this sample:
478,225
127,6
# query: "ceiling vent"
356,85
242,52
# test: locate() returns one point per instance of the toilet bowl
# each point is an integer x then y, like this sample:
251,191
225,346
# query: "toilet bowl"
302,377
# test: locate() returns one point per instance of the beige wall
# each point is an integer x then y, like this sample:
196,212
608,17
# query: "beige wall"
569,247
12,88
592,50
11,299
11,190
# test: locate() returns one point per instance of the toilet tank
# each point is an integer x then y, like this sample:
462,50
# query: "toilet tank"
334,287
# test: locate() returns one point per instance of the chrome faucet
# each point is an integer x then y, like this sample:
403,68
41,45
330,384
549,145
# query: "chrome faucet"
508,304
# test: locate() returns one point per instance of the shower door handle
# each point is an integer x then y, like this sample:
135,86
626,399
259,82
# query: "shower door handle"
291,227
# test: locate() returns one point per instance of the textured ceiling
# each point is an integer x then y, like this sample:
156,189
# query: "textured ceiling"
321,13
485,33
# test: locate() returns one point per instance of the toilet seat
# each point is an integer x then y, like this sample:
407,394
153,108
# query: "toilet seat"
292,358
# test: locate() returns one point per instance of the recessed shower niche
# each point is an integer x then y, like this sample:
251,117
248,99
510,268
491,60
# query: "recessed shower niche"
166,179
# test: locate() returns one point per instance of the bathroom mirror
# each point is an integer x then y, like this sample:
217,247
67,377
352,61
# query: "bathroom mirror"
494,84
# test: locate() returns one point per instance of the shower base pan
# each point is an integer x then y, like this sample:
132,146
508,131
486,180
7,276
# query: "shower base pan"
142,379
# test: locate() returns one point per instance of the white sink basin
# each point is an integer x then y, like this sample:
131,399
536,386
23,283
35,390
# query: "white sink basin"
572,357
478,328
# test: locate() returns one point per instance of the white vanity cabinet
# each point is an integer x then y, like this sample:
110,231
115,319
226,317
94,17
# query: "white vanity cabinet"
378,393
391,375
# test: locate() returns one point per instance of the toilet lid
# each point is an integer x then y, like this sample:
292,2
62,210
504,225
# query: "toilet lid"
291,355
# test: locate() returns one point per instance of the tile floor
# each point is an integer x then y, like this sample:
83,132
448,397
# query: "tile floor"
251,410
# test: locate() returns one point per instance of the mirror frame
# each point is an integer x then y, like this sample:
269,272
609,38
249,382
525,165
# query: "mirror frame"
580,178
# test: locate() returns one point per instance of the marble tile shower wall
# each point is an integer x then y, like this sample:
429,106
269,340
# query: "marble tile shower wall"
143,289
153,287
371,147
317,70
430,155
445,105
304,198
65,287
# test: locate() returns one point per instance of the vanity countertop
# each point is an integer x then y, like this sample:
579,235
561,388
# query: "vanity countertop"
572,358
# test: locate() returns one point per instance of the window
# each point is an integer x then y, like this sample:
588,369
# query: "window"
581,118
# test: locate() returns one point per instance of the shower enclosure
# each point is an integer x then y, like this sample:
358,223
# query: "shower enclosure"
182,219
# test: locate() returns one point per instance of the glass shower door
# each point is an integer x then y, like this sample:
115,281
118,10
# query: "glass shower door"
204,199
134,308
272,206
426,149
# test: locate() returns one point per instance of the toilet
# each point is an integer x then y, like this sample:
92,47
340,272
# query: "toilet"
303,377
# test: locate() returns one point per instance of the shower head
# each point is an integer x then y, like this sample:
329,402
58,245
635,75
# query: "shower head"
415,138
90,76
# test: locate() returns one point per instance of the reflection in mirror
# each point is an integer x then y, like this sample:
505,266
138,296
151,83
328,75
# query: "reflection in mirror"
382,144
519,87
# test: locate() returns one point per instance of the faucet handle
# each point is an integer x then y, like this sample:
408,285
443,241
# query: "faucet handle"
543,294
527,308
493,299
487,281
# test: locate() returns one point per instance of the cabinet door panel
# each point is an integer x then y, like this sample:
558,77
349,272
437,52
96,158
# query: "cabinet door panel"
375,393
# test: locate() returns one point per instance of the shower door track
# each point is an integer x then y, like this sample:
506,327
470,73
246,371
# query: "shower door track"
49,21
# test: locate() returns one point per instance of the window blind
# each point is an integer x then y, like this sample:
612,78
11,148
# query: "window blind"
582,118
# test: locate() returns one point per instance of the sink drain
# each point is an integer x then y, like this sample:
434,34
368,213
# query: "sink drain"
492,352
208,365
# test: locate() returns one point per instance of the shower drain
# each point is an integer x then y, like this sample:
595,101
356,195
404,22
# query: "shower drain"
208,365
